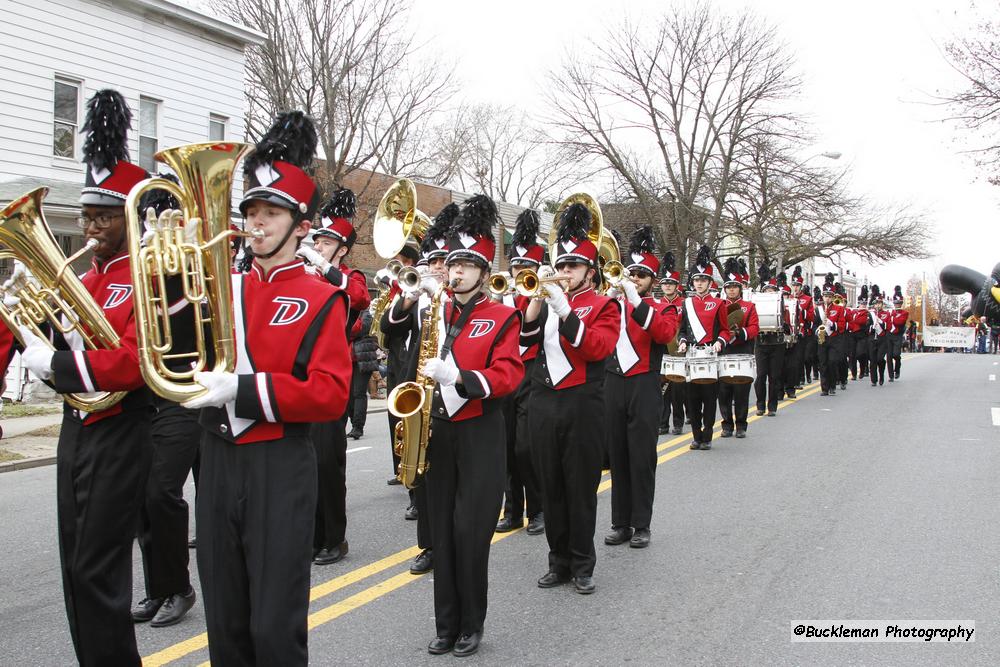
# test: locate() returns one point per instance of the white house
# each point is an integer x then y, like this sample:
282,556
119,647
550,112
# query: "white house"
181,70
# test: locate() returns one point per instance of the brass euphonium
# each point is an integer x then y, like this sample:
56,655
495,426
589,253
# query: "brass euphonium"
199,258
59,297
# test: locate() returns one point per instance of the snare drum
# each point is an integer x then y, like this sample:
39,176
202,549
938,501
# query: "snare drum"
737,368
674,368
702,365
770,310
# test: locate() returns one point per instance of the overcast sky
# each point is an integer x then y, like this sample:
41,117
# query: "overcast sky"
869,68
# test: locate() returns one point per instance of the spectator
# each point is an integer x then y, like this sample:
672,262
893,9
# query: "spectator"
365,362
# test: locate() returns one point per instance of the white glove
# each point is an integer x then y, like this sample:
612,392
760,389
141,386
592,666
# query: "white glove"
443,371
73,339
613,293
37,356
10,300
221,390
313,257
631,293
557,299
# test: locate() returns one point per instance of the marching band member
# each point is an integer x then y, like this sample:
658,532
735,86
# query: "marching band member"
796,354
631,394
103,457
831,353
881,320
674,393
523,495
257,493
769,353
744,325
332,242
897,327
478,364
859,325
811,360
704,323
577,331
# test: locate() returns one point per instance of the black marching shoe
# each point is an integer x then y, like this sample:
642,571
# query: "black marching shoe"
663,430
790,394
331,556
640,540
468,644
824,393
618,536
507,524
536,524
727,433
881,382
146,609
695,445
551,579
173,609
890,379
760,412
355,433
441,645
706,446
771,413
833,392
677,430
411,513
741,433
843,385
584,585
393,481
423,563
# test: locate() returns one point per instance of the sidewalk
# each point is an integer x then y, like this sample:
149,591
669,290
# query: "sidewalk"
39,449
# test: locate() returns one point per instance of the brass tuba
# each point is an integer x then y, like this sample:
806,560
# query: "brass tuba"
398,220
58,297
599,235
199,258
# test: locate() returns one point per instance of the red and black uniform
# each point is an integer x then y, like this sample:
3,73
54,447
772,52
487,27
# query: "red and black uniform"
6,354
833,353
857,328
809,354
897,327
703,323
795,354
567,422
631,408
771,354
881,321
102,463
674,393
734,399
257,490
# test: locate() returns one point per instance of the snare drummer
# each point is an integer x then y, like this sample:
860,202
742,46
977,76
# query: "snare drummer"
704,323
770,355
734,399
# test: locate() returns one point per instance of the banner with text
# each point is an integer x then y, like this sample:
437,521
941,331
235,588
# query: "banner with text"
949,336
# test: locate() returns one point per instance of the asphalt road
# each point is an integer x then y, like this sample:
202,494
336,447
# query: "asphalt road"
879,503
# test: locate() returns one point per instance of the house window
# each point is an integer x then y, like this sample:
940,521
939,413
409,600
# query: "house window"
217,128
149,120
65,114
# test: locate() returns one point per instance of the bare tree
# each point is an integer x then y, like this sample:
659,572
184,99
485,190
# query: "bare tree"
354,68
694,87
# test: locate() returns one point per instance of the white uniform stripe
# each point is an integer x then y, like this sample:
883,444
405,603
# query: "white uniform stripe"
579,335
486,385
649,319
81,367
265,397
343,281
697,328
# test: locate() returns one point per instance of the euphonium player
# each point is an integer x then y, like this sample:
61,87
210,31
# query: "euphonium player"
332,242
734,399
257,487
576,330
523,496
477,365
632,394
102,460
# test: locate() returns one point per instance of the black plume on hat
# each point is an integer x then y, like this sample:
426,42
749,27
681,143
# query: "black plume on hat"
816,293
743,268
574,223
897,292
440,227
525,229
763,273
107,125
159,199
342,204
704,258
618,237
875,292
292,138
731,267
797,272
478,216
782,279
863,296
642,241
669,263
829,279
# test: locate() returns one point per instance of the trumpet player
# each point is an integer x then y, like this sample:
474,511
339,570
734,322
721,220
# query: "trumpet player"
523,494
897,327
744,324
879,343
703,323
632,394
576,331
674,393
795,356
257,486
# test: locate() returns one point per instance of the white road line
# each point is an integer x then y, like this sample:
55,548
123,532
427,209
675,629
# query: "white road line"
993,378
996,416
357,449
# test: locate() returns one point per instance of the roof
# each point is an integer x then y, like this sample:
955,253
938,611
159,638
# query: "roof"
191,16
62,194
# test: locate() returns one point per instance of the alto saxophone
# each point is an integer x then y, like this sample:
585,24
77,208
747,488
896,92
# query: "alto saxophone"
383,301
411,402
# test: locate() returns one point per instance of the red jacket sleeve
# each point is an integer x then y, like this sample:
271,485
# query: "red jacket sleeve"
82,371
6,350
354,283
751,325
661,324
596,340
322,394
504,369
725,334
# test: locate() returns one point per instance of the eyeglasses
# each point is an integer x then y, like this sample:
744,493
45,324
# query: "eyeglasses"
103,221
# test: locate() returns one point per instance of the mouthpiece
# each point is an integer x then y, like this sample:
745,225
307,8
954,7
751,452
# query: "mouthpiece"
91,244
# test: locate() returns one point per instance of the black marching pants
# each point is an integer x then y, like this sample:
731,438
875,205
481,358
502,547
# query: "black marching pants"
358,404
163,521
567,444
879,347
734,404
391,382
769,386
256,508
523,496
895,354
702,402
464,491
674,396
810,358
101,473
859,364
630,415
330,442
793,361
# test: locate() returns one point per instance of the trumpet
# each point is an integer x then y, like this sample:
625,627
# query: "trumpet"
528,283
500,284
613,272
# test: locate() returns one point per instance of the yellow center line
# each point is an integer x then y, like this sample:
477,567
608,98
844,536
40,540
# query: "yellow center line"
338,609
